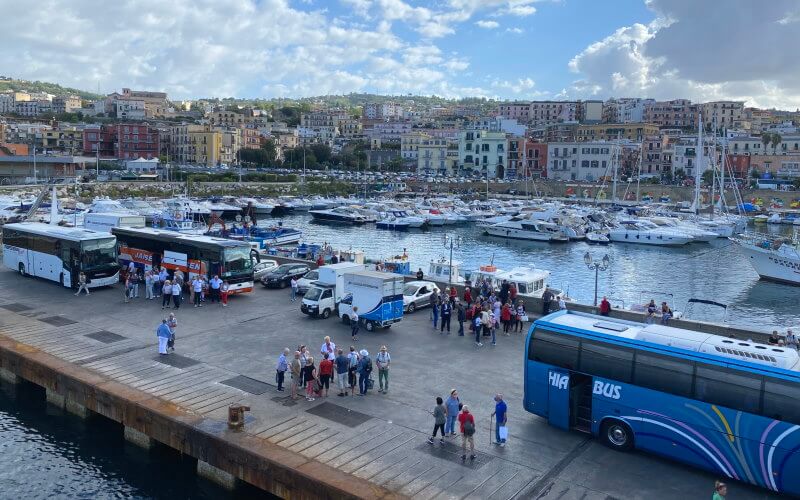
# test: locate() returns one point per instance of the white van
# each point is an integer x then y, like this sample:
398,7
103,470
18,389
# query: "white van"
323,295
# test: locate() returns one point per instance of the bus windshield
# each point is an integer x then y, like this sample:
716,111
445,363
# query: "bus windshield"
237,262
98,254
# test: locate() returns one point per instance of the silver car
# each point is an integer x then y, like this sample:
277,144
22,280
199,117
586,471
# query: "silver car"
417,294
262,268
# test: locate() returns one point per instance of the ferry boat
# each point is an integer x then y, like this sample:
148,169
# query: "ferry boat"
773,258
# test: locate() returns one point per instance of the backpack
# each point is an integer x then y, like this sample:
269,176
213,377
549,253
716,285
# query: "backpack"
469,427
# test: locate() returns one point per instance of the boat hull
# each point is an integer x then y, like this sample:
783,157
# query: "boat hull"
521,234
771,266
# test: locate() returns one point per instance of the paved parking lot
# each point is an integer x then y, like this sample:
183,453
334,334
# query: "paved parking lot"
229,354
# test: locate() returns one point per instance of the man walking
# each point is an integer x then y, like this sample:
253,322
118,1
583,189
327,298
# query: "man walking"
82,285
501,414
295,373
148,285
197,286
467,423
134,283
176,293
439,418
352,367
294,288
383,360
364,371
342,364
435,309
453,407
281,369
354,324
447,310
461,315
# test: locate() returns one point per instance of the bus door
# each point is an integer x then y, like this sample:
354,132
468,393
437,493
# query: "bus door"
558,404
580,402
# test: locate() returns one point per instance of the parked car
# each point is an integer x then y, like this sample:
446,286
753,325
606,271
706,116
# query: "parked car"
304,282
281,276
417,294
262,268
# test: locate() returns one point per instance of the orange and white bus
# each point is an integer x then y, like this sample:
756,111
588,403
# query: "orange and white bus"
194,255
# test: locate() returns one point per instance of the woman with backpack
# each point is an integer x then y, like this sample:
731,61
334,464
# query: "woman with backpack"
467,422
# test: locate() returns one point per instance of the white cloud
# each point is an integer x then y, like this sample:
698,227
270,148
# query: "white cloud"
489,25
359,7
517,87
516,31
698,51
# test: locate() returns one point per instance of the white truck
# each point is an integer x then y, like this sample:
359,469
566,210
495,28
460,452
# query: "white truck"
103,222
377,295
323,296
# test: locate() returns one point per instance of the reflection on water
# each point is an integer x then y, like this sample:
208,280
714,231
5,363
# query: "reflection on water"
715,271
45,453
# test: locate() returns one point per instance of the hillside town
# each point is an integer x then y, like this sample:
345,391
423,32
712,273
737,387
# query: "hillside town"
146,133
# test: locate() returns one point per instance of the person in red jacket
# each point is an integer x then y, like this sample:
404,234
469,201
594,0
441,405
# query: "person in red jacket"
505,317
605,307
468,296
325,373
467,424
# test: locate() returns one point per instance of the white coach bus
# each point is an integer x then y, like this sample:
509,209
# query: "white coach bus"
61,253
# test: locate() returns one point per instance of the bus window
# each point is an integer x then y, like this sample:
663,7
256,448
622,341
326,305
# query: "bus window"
554,349
237,260
608,361
725,387
661,373
781,401
99,253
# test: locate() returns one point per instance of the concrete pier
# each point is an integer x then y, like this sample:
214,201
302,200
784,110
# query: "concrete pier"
138,438
219,476
101,354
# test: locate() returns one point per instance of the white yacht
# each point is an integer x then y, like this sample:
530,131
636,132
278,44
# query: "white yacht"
106,205
342,215
646,233
531,230
773,258
699,234
259,207
188,206
222,208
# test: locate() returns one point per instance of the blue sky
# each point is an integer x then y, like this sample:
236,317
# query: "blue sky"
508,49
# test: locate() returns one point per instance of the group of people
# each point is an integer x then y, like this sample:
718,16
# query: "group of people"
447,413
346,371
158,283
787,340
486,311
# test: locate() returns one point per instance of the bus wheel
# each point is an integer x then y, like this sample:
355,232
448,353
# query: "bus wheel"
370,326
22,270
617,435
326,314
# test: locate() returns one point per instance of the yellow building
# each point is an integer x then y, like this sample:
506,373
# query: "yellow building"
613,131
205,147
68,140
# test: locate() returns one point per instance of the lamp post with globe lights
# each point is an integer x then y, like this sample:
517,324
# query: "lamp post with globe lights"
604,264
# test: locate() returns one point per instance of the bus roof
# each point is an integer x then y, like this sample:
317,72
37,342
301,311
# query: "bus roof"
688,340
176,237
62,232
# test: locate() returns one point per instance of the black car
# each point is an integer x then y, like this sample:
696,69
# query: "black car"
281,276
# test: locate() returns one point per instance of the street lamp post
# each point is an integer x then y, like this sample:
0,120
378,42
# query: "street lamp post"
597,267
452,242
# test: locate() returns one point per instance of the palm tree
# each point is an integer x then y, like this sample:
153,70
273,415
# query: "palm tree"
775,140
766,137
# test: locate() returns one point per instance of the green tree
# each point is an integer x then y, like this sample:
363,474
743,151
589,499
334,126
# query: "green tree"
766,138
775,140
270,149
322,152
680,174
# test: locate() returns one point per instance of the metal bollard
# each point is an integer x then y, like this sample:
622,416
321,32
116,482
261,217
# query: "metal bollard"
236,416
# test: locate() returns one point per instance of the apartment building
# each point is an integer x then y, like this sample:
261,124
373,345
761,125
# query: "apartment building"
612,131
541,113
535,159
654,162
722,113
409,144
67,140
323,118
625,110
482,153
350,128
432,157
66,104
590,111
383,111
122,141
584,161
679,113
156,104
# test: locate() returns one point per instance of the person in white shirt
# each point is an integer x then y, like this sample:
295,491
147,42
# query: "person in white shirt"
148,285
176,294
294,289
329,348
197,286
382,360
166,294
215,284
354,324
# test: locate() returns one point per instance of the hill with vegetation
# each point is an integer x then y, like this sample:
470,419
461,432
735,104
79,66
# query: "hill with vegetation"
15,85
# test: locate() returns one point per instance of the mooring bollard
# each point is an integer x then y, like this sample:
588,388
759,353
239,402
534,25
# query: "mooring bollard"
236,415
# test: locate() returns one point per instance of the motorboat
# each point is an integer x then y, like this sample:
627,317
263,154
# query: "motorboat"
699,234
446,271
259,207
646,233
773,258
531,230
106,205
223,209
399,220
141,207
186,206
774,218
265,236
597,237
340,215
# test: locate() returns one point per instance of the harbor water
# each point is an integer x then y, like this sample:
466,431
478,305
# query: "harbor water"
46,453
715,271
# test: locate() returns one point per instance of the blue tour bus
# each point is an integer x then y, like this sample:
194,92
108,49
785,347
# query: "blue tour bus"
725,405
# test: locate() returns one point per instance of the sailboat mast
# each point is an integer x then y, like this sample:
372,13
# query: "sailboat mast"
639,175
615,162
699,165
